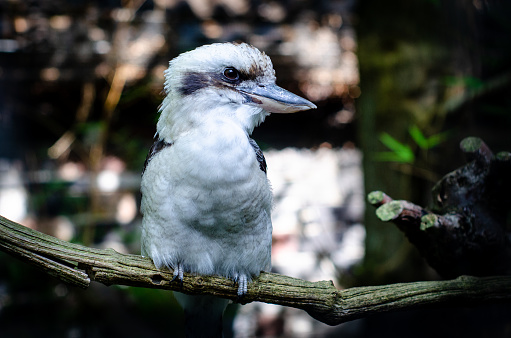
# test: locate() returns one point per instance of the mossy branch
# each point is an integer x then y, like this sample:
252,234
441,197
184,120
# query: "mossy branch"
466,230
79,265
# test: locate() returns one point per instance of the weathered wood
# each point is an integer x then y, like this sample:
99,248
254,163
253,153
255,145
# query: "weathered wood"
79,265
465,231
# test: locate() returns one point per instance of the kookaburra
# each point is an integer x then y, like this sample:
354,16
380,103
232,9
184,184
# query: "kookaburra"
206,201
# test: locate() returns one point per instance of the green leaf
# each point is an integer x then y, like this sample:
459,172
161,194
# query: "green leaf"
468,81
392,143
418,137
400,152
435,140
473,82
422,141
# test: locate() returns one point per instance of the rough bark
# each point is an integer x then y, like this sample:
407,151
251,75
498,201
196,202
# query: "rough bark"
466,231
79,265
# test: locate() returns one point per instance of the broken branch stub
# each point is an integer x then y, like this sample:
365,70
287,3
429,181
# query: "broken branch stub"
466,230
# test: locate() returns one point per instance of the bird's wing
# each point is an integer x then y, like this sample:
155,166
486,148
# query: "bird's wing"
259,155
155,148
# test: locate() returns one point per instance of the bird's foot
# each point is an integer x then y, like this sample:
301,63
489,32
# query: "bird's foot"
242,281
178,274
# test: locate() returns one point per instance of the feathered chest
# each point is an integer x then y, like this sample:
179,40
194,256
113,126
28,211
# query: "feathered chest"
207,180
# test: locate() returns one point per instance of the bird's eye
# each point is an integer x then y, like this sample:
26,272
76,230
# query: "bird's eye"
231,73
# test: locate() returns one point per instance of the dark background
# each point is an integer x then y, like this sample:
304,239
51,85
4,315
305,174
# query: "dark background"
81,82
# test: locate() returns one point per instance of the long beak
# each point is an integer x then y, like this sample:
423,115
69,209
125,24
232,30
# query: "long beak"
276,99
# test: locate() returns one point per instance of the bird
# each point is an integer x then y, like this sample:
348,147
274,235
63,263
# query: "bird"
206,199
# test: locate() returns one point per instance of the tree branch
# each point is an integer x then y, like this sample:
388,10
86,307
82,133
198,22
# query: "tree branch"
466,231
79,265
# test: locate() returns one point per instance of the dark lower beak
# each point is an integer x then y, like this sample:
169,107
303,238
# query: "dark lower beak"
276,99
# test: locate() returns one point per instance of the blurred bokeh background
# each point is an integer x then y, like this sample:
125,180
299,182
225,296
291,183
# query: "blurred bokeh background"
397,84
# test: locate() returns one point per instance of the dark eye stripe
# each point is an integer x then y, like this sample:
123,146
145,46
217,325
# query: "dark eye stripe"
195,81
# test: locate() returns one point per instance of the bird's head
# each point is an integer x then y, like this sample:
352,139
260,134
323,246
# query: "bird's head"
222,80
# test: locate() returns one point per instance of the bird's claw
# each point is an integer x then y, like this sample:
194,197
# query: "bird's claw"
178,274
242,281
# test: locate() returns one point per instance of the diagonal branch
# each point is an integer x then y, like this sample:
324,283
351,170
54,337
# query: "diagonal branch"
79,265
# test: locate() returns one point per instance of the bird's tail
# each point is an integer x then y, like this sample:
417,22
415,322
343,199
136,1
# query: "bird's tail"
203,315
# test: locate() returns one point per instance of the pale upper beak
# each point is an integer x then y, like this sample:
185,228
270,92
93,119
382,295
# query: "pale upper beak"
276,99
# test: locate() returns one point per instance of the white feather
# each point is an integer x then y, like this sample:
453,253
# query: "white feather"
206,203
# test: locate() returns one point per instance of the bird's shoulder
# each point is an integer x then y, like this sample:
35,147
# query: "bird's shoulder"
192,143
158,145
259,155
